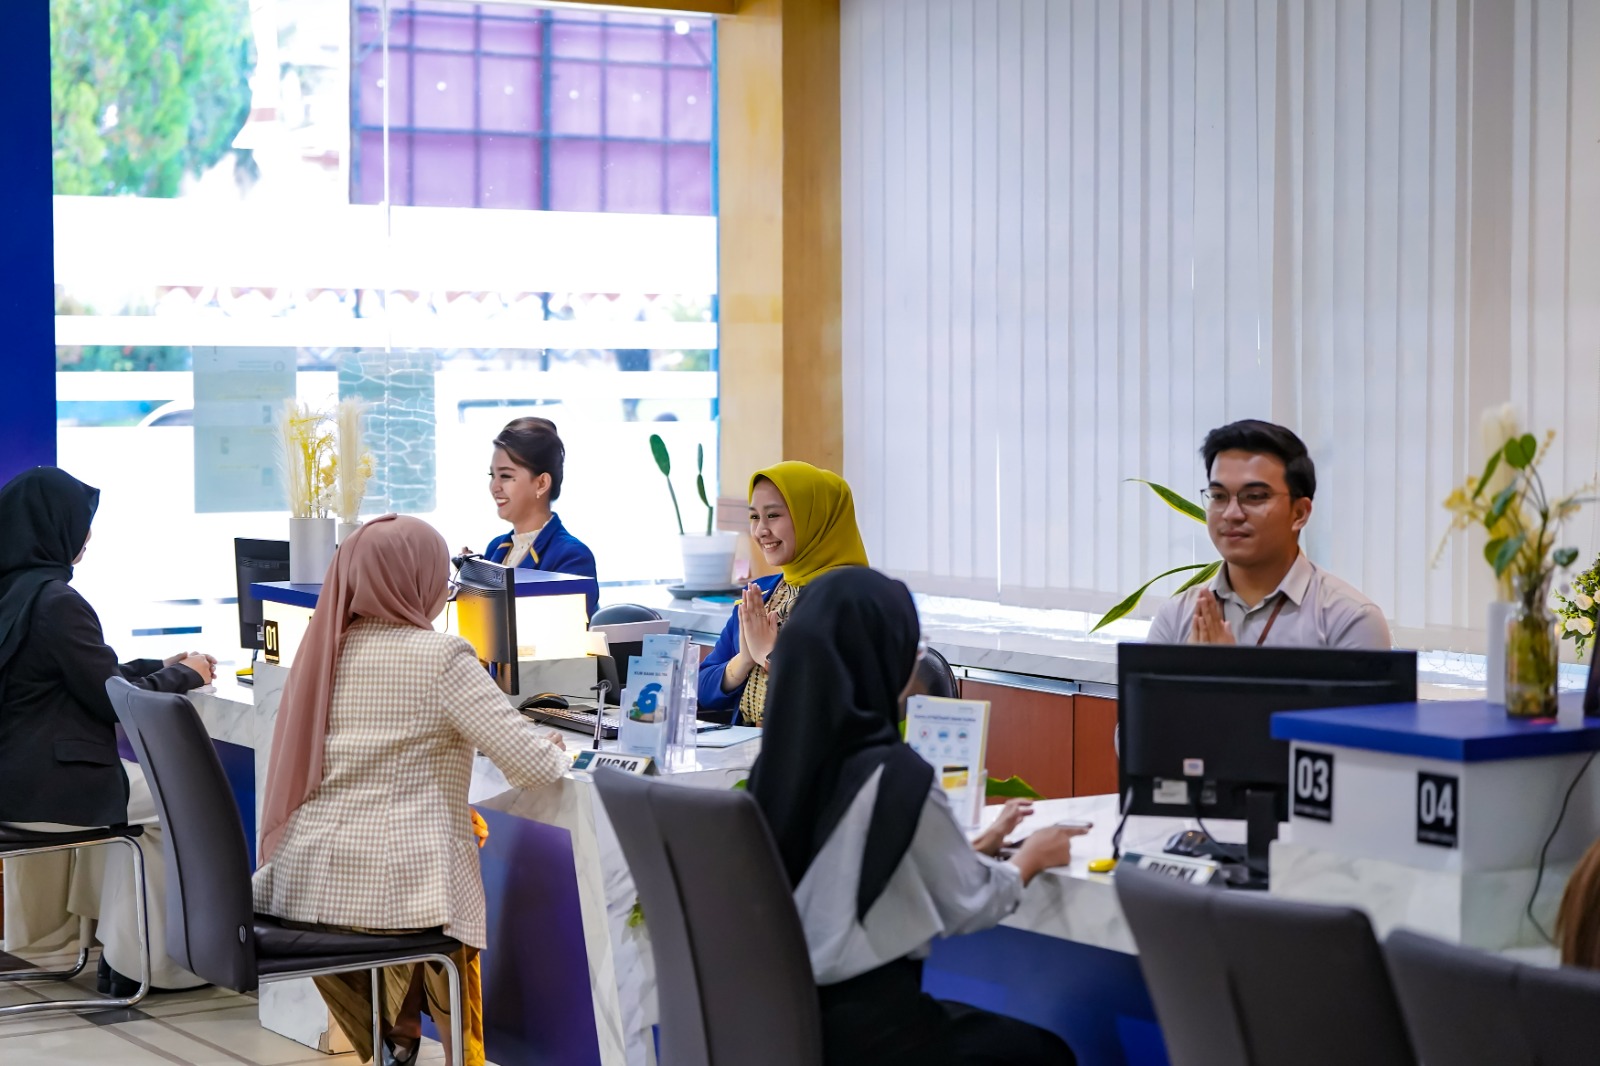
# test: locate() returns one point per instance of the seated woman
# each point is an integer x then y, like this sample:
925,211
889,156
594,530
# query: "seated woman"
59,768
804,521
879,865
1578,920
525,479
365,823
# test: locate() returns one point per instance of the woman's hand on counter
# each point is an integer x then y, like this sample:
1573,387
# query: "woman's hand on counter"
1011,815
198,661
1044,848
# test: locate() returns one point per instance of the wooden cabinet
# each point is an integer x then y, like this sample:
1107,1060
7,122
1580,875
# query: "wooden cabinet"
1060,744
1030,735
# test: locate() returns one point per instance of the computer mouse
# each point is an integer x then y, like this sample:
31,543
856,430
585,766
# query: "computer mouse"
547,700
1190,842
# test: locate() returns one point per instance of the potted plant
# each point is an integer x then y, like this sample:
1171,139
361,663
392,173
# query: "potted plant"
308,479
1522,523
1203,571
707,557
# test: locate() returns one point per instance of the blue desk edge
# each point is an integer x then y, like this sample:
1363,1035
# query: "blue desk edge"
1469,731
529,583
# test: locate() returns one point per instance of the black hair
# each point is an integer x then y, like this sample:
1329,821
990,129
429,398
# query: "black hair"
534,445
1265,438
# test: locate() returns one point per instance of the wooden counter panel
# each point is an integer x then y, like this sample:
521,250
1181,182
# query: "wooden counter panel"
1030,734
1094,753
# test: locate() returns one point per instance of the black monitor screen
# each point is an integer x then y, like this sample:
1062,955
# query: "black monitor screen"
256,560
1196,719
486,616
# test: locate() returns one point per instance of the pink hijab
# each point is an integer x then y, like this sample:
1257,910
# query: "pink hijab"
393,568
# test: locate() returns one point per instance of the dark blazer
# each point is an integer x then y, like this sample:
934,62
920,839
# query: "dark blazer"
559,552
715,664
58,739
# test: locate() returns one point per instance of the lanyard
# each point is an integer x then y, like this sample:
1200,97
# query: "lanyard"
1273,617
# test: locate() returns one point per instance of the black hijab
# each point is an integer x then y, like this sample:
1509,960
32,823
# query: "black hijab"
833,718
44,523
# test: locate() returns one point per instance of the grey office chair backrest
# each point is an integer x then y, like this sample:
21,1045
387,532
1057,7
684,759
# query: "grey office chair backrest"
935,678
732,971
1241,977
1469,1008
209,907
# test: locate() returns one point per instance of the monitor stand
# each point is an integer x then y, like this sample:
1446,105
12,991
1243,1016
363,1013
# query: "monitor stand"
1261,829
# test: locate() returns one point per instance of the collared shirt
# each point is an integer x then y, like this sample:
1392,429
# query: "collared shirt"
1319,611
942,887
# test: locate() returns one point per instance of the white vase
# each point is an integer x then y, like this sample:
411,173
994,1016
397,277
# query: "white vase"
311,544
1495,679
347,528
708,560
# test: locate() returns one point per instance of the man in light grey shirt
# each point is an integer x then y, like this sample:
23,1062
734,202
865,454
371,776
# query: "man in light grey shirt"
1267,592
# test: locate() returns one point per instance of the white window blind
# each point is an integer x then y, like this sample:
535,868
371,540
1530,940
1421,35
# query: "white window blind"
1080,233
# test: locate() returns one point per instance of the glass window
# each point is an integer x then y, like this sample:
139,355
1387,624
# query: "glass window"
459,213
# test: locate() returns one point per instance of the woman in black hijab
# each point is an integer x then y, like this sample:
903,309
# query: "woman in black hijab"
59,767
879,865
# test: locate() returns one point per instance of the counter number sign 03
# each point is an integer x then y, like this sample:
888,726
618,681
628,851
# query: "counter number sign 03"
1313,784
1438,809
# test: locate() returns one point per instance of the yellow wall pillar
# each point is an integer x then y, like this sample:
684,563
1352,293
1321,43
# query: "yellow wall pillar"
778,132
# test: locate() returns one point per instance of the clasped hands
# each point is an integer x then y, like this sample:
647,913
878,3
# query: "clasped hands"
758,627
1208,626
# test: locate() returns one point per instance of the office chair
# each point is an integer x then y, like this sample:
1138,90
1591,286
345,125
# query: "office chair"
212,929
1469,1008
1243,977
732,970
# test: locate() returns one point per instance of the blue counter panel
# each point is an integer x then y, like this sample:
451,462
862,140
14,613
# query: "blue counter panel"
529,583
1456,732
1092,998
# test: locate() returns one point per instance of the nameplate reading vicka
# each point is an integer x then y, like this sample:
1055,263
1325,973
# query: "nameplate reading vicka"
592,760
1177,867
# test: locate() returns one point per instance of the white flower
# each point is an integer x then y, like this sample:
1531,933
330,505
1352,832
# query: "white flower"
1583,603
1582,626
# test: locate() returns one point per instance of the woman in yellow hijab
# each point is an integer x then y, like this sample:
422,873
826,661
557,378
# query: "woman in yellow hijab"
804,521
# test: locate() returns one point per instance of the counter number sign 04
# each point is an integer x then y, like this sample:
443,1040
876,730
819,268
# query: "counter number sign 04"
1313,784
1438,809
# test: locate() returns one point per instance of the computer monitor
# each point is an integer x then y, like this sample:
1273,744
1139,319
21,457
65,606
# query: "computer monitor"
1196,730
486,616
256,560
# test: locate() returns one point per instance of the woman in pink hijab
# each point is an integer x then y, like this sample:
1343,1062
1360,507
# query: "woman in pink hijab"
365,823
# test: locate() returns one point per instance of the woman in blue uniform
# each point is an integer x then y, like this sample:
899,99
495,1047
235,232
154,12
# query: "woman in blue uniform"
525,480
803,519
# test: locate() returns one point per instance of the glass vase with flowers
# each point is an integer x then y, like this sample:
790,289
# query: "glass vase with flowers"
1522,522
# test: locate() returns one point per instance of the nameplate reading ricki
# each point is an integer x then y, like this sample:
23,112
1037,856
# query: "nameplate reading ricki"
591,760
1177,867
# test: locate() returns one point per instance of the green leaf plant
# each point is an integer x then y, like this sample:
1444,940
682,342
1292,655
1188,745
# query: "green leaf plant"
658,451
1203,572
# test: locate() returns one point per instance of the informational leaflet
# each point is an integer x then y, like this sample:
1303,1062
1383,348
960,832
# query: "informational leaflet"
953,736
647,705
681,741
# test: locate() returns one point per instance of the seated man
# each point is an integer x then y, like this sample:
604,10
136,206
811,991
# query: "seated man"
1267,592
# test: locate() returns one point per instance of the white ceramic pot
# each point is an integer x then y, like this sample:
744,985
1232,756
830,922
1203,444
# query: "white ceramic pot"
311,544
1500,612
708,560
347,528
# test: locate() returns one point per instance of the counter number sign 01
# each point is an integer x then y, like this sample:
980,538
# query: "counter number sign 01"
1438,809
1313,784
269,641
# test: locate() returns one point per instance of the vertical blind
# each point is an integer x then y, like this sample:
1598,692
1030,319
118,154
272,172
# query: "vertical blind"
1079,233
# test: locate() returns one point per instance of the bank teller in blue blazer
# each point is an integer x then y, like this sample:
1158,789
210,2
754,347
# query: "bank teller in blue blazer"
525,479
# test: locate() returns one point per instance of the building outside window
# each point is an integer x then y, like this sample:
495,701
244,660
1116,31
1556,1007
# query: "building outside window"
458,212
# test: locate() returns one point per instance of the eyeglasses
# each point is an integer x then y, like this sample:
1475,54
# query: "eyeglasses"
1252,499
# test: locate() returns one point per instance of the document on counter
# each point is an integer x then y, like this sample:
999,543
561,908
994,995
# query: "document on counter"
728,736
953,736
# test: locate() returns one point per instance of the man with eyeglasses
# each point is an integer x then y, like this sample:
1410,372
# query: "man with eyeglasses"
1267,591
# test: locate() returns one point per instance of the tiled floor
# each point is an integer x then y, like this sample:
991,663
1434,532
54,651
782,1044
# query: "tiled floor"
206,1027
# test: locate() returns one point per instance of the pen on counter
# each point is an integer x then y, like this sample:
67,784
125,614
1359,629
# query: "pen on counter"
600,692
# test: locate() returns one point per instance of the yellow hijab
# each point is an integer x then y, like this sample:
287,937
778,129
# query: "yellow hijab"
824,514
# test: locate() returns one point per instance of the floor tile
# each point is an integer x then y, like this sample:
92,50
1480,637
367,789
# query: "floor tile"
88,1046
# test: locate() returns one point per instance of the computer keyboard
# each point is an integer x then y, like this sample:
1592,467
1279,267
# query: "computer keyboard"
576,718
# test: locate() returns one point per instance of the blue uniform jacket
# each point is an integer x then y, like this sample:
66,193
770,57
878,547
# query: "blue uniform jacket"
715,664
559,552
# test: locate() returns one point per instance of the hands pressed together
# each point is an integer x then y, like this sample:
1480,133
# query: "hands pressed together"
198,661
1209,627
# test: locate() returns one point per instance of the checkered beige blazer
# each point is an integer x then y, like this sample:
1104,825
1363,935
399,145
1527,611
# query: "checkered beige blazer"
386,842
